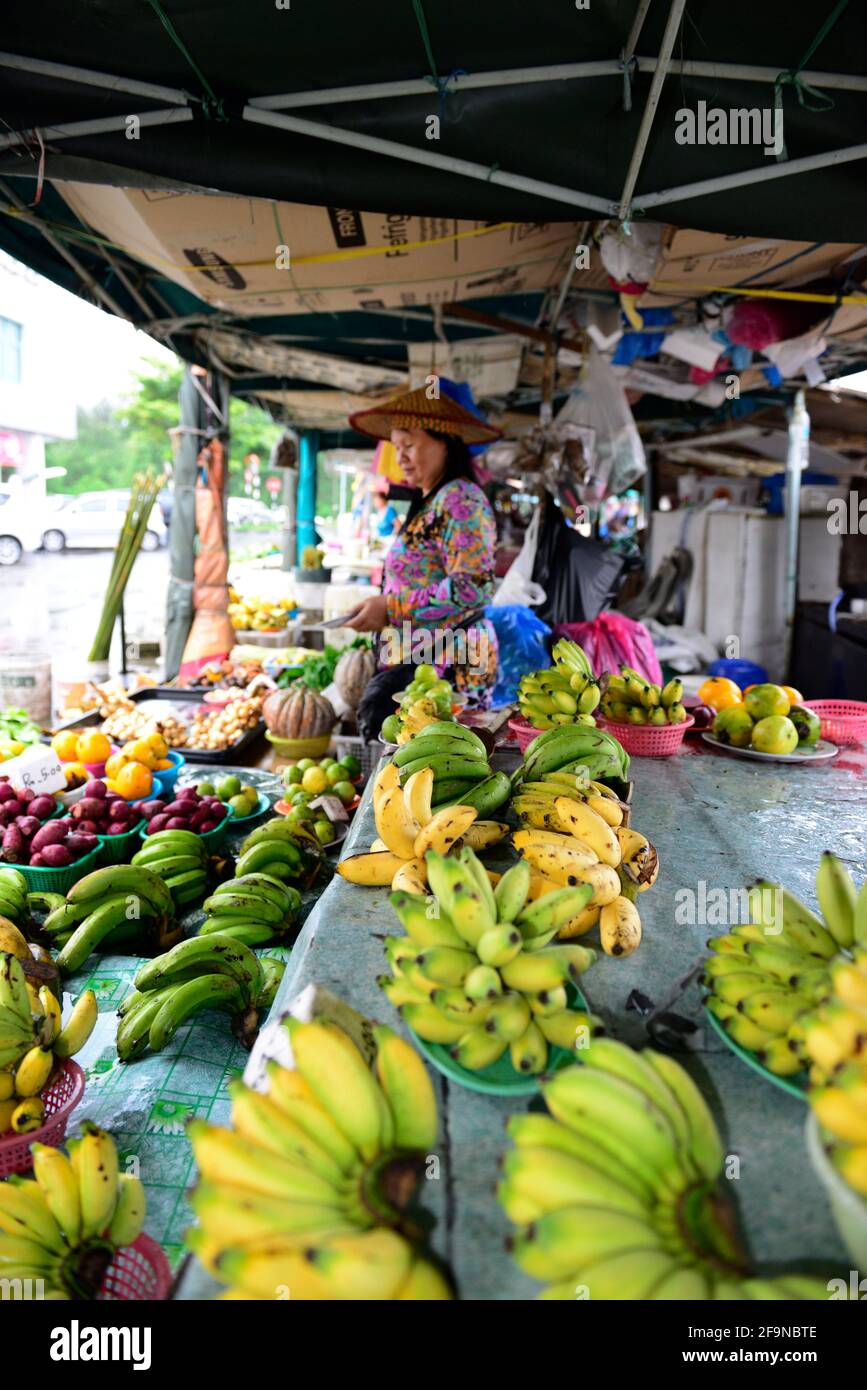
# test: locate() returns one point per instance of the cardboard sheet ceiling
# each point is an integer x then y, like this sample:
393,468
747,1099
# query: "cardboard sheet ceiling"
240,238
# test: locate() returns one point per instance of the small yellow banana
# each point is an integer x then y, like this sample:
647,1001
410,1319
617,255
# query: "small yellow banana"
620,928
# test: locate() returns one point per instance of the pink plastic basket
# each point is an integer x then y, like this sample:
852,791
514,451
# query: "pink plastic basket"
524,733
843,721
60,1099
138,1273
648,740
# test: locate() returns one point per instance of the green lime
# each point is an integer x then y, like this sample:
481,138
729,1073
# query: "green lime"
327,762
304,764
345,791
425,674
390,728
336,774
301,812
351,765
299,797
292,776
230,786
241,805
206,789
324,831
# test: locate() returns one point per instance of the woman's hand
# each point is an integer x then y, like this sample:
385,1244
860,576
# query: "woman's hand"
372,616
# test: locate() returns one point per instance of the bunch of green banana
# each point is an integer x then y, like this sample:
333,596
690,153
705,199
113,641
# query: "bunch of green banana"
204,972
458,760
616,1192
281,849
254,909
13,897
591,753
474,976
111,906
630,699
180,859
767,976
34,1043
65,1227
307,1196
408,826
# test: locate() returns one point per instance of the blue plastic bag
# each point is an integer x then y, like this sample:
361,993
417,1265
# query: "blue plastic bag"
522,639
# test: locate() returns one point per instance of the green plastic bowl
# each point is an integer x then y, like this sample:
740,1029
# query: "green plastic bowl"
44,880
500,1079
793,1085
119,849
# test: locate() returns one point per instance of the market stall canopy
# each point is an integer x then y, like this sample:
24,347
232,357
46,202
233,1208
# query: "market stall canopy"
485,111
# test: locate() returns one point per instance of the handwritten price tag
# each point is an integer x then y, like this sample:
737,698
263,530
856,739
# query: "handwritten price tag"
37,768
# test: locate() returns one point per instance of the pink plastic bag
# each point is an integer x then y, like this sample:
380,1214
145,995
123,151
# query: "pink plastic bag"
612,640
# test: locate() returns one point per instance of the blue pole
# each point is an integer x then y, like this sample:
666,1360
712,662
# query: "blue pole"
309,448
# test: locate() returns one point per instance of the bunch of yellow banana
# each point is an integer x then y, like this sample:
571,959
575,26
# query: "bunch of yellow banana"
417,717
407,828
616,1191
768,975
307,1196
34,1041
565,693
572,832
471,972
630,699
63,1230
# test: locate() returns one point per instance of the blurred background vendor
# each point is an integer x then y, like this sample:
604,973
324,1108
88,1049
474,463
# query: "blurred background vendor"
439,571
384,517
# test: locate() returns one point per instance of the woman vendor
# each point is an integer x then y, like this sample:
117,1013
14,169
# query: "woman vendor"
439,572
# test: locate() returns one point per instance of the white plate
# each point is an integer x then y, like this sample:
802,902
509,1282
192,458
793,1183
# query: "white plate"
821,752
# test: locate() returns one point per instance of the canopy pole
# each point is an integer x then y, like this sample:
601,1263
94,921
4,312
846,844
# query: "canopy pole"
767,171
672,26
84,275
427,159
89,78
306,504
797,458
556,72
100,126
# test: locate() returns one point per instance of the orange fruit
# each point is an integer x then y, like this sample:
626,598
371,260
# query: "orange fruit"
157,744
140,751
92,747
114,764
163,764
795,696
720,693
65,744
134,781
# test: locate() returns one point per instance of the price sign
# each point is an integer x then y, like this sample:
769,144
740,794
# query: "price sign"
38,768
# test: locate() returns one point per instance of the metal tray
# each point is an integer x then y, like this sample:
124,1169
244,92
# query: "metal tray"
168,695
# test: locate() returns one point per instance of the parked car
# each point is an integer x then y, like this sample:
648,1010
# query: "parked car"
246,510
20,528
94,520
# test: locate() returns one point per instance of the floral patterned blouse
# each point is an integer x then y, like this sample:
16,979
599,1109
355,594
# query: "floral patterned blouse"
439,573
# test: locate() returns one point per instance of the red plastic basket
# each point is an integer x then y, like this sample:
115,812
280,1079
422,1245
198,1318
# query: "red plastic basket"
524,733
648,740
843,721
138,1273
60,1099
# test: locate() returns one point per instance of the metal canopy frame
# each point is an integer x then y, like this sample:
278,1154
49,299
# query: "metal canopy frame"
269,111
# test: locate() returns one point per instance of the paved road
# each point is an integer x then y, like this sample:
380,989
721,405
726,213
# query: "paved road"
54,601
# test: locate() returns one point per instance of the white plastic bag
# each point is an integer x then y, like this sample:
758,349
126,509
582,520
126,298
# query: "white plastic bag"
517,585
600,403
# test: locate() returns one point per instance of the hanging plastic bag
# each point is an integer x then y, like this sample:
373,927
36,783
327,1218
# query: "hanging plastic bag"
522,639
517,586
600,403
612,640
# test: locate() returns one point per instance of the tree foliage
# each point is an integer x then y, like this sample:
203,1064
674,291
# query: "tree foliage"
116,441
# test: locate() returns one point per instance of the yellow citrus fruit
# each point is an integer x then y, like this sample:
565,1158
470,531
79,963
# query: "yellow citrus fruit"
795,696
114,764
720,693
92,747
140,751
134,781
315,780
157,744
65,745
